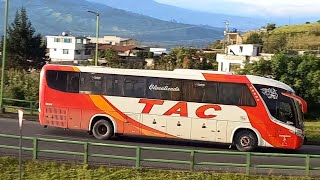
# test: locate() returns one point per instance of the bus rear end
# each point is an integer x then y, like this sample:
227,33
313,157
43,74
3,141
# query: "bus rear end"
60,103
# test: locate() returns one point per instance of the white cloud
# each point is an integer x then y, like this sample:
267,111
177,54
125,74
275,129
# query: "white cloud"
282,8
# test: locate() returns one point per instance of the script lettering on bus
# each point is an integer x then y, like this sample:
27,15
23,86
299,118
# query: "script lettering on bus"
180,108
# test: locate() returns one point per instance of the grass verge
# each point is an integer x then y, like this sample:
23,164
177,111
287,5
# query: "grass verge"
52,170
313,131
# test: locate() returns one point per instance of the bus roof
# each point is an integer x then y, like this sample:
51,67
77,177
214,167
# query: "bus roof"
190,74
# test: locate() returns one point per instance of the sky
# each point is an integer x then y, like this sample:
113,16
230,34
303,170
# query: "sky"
265,8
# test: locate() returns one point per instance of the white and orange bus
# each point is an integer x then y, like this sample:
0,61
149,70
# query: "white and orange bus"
244,110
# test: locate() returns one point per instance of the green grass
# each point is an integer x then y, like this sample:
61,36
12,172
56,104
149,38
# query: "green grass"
313,131
52,170
301,28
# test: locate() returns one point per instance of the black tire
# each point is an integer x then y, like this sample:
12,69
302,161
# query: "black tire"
246,141
102,129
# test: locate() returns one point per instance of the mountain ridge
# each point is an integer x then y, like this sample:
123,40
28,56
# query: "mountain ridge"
53,17
172,13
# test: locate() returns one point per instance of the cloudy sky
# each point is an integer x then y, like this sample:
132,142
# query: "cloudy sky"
267,8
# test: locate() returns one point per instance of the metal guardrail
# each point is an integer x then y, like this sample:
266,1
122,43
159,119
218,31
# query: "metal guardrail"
31,106
138,155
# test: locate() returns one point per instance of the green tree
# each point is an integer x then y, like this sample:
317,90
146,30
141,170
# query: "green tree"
25,49
270,26
111,56
216,45
254,38
301,72
275,43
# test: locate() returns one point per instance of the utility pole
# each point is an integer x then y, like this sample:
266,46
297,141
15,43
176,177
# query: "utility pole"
4,52
226,41
97,35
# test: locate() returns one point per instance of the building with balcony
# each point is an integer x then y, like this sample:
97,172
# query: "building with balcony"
236,56
66,48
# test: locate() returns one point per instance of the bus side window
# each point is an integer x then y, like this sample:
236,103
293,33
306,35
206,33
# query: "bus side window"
64,81
235,94
134,87
108,85
211,93
229,93
73,82
194,91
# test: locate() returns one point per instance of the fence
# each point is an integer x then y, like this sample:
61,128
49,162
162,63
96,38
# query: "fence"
138,155
30,106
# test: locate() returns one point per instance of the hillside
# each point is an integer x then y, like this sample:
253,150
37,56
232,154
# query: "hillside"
302,36
172,13
53,17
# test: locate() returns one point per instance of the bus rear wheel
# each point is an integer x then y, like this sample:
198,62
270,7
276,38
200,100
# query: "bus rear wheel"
102,129
246,141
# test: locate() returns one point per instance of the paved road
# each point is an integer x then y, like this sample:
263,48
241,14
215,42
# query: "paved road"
33,129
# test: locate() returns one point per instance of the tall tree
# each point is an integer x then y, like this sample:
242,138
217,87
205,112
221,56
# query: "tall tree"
25,49
254,38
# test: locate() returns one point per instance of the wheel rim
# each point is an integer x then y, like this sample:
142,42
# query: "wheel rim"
102,129
245,141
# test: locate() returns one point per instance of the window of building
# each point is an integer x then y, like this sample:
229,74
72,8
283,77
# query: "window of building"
77,52
67,40
55,49
57,40
87,52
65,51
79,41
233,67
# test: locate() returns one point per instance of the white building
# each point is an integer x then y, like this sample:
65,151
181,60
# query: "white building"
113,40
68,48
236,56
158,51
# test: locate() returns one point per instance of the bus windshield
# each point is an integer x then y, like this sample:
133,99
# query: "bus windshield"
283,108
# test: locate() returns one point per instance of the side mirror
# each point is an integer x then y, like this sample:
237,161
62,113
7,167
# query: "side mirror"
302,101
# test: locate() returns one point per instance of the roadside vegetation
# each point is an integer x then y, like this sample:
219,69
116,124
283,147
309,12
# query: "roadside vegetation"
313,131
53,170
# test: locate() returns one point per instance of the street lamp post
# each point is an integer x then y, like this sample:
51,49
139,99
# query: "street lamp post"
4,52
97,35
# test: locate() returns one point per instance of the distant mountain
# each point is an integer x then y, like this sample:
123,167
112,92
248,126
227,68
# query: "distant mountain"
172,13
51,17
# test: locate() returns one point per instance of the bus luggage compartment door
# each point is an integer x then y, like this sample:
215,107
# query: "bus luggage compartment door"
132,124
55,116
74,118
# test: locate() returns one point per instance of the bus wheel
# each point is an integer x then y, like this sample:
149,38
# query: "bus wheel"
246,141
102,129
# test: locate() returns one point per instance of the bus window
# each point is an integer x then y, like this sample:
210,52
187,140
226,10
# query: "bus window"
194,91
211,93
166,89
91,83
73,82
63,81
134,87
235,94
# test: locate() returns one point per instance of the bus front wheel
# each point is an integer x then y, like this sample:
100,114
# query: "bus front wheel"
246,141
102,129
